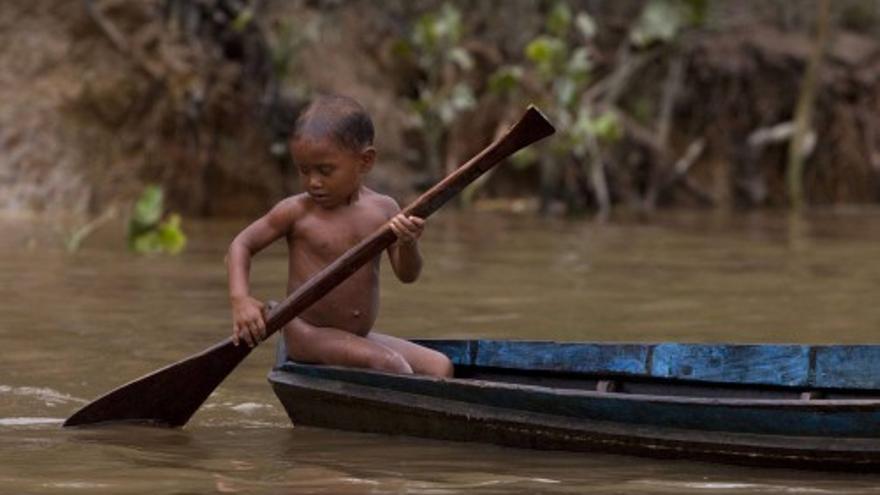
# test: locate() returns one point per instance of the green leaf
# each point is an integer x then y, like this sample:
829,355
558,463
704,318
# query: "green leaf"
461,57
545,49
579,65
505,79
559,20
548,54
450,26
586,25
606,127
146,243
463,97
148,208
435,31
168,237
146,235
425,32
242,20
459,99
566,91
171,237
660,21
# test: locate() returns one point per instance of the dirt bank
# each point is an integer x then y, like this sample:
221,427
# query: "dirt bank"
95,104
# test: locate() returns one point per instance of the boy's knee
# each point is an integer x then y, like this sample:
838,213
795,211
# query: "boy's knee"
391,362
442,367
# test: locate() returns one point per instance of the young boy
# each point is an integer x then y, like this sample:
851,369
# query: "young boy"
332,146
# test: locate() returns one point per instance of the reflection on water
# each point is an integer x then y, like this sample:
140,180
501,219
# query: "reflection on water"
74,326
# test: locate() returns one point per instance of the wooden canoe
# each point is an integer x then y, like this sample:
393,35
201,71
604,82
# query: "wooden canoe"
810,406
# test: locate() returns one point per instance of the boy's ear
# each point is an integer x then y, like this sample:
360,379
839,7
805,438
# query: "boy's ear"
368,159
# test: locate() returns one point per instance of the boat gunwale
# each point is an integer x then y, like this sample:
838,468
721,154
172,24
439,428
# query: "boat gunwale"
797,404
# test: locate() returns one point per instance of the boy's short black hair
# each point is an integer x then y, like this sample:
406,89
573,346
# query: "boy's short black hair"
339,116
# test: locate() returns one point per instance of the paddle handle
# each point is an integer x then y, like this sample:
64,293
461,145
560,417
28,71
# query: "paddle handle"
531,127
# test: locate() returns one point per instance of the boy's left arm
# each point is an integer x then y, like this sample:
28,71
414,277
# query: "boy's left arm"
406,260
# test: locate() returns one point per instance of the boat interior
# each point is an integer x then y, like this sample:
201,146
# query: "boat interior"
646,385
754,371
731,371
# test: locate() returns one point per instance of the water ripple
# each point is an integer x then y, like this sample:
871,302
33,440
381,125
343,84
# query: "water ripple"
29,421
49,396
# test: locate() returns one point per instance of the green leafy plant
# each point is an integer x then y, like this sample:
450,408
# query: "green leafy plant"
435,48
506,79
662,20
559,59
148,231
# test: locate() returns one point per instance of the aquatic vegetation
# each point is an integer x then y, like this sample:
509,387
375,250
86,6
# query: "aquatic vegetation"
149,231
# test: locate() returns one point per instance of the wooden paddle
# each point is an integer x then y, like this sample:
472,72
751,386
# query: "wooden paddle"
170,396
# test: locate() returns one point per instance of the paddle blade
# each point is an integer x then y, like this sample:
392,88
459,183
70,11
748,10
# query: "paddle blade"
166,397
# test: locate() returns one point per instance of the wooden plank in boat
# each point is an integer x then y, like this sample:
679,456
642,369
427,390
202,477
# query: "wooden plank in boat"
769,364
460,352
574,357
785,365
847,366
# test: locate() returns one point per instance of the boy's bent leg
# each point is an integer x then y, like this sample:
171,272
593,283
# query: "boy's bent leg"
424,361
326,345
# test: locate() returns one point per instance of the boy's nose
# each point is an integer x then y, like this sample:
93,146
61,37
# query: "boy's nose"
315,182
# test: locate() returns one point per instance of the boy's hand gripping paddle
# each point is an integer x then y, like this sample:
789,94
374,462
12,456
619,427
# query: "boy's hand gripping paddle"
169,396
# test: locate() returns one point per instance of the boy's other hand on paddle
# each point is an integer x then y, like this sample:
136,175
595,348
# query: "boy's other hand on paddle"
408,229
247,321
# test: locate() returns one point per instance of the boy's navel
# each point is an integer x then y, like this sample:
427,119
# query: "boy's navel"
356,313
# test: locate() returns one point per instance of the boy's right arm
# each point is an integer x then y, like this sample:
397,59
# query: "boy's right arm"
248,323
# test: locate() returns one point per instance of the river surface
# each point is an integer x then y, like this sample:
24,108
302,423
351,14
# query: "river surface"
75,325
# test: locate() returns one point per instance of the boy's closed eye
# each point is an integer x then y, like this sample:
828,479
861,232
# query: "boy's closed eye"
324,170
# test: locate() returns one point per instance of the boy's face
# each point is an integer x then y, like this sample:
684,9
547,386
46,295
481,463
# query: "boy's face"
330,173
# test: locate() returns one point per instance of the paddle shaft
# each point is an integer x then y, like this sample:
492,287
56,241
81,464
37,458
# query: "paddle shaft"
171,395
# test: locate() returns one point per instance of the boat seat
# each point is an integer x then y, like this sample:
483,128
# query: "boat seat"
607,386
812,395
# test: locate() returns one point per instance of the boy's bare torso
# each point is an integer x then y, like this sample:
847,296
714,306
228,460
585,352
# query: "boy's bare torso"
317,237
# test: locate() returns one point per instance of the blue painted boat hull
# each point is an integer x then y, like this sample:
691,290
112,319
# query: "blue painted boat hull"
758,404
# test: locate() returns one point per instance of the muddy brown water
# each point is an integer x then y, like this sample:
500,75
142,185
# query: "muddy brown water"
73,326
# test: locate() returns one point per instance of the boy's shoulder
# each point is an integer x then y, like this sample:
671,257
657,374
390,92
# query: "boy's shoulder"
289,209
297,202
388,204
